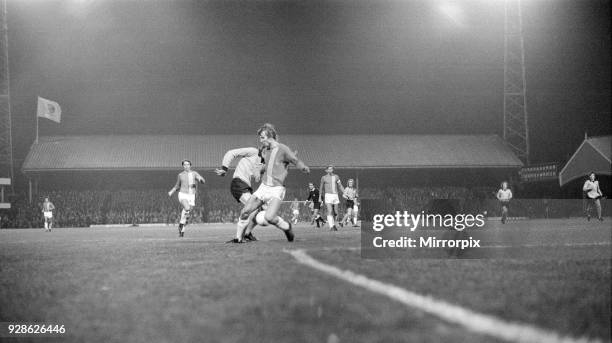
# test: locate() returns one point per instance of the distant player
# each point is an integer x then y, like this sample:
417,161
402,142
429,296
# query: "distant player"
356,212
350,194
315,204
271,191
249,167
47,209
186,184
295,211
504,194
330,184
593,194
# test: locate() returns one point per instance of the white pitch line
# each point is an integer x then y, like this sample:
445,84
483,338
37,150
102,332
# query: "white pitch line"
473,321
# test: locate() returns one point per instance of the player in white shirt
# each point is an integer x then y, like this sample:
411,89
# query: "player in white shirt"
350,194
187,187
249,167
295,211
504,194
47,209
593,194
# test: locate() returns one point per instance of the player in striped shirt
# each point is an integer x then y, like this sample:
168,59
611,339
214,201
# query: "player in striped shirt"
187,187
350,194
330,184
271,191
249,167
47,209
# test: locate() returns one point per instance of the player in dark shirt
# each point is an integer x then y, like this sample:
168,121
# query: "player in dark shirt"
314,204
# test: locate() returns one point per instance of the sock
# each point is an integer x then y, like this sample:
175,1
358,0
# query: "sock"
184,216
242,224
281,224
330,220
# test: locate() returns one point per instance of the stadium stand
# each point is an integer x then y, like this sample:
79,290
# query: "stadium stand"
124,179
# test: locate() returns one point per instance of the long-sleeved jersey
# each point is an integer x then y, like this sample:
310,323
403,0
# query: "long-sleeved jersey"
313,195
349,193
277,160
248,166
592,189
187,182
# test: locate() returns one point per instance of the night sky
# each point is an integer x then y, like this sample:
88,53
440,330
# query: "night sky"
204,67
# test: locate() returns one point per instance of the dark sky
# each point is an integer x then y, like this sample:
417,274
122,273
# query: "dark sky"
198,67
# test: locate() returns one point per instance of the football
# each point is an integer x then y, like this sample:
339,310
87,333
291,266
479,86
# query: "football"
260,218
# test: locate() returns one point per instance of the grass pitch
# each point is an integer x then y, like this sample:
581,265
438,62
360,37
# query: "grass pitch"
149,285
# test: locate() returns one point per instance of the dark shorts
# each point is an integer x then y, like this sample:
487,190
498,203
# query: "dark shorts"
239,187
350,204
505,204
316,205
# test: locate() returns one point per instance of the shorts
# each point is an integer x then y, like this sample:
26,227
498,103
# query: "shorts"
316,205
239,187
331,199
296,212
505,204
350,204
48,214
266,193
189,197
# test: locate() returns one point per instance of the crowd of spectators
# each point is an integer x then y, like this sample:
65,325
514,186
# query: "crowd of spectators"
133,207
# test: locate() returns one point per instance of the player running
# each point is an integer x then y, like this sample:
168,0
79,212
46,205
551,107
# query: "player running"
593,193
504,194
295,211
314,204
249,167
330,184
271,191
47,209
187,187
350,194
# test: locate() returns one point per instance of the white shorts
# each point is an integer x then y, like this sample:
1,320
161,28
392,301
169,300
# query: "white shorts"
48,214
189,197
266,193
331,199
296,212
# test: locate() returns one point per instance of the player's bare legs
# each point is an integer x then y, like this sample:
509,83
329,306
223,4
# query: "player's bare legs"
185,212
246,213
271,217
248,231
347,216
331,214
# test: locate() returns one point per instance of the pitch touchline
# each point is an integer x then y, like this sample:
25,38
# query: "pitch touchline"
473,321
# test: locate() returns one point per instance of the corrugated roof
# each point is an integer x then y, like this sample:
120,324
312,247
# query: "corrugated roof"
593,155
603,145
129,152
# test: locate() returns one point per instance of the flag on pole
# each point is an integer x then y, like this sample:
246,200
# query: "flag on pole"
49,109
